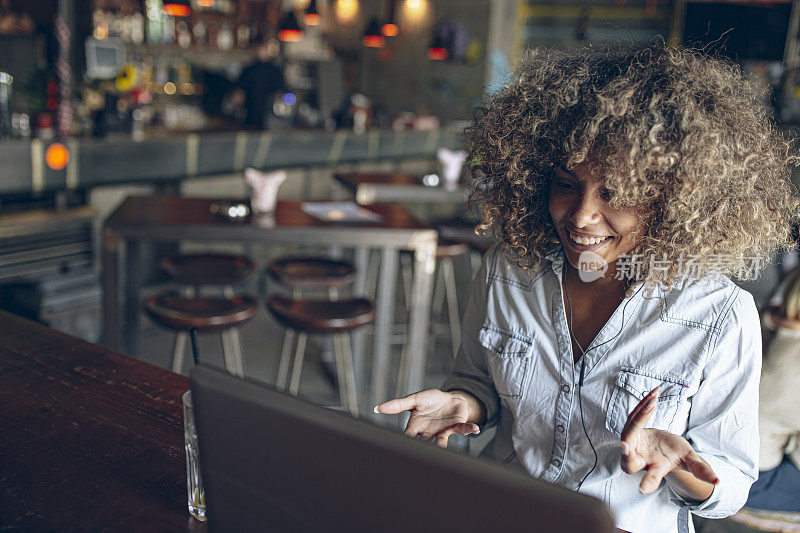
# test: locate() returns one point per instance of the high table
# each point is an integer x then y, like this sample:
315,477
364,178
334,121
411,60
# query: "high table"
90,439
370,188
171,218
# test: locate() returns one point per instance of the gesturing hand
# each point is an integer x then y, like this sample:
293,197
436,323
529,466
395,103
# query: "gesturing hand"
661,452
435,415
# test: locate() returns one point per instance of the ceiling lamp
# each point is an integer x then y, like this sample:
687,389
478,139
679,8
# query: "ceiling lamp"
289,29
177,8
437,51
390,29
372,35
311,17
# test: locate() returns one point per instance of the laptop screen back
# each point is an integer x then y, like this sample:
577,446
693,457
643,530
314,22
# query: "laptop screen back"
273,462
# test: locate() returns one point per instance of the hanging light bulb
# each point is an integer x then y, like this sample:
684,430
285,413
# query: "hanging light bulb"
346,11
311,17
372,35
289,28
390,28
177,8
437,50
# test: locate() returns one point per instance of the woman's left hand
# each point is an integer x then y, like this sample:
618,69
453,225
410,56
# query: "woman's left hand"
659,452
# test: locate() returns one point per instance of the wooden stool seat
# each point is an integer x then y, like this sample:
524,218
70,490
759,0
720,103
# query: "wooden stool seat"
205,314
321,316
463,231
208,269
448,249
311,272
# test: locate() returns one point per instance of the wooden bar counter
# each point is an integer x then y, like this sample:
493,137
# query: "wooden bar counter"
89,439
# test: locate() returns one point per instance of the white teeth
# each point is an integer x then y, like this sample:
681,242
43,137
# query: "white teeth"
586,240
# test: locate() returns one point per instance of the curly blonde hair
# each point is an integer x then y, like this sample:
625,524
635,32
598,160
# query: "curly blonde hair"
681,137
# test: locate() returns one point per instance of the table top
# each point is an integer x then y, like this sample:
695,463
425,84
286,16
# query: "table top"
353,179
370,188
177,217
90,439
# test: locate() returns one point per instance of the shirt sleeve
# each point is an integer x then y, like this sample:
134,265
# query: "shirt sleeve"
470,372
723,421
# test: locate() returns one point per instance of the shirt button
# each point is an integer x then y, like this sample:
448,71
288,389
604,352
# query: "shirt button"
499,349
556,462
560,428
565,388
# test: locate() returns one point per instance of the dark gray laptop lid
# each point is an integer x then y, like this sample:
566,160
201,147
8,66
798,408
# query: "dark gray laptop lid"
272,462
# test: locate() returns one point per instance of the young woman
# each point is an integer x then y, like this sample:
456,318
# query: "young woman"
603,337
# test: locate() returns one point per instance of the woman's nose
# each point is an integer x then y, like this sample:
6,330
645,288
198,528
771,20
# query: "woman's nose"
585,211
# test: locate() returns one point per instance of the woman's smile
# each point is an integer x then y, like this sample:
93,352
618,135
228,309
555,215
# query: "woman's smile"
584,219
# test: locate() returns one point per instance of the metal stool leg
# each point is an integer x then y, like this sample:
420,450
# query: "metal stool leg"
238,355
227,352
181,339
286,350
345,375
474,262
177,352
451,296
405,270
372,274
437,302
286,356
350,375
294,383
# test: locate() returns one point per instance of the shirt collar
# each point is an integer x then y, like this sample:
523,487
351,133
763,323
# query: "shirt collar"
556,258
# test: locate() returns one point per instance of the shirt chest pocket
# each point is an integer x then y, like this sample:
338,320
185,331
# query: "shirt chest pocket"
633,384
509,358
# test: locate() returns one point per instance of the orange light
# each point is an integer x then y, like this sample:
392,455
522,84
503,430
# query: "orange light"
438,54
311,19
56,156
177,10
205,3
290,35
373,41
390,30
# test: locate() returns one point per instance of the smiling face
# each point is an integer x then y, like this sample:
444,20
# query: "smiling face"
584,220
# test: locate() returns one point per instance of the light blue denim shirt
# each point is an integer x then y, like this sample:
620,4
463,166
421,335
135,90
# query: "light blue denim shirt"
701,342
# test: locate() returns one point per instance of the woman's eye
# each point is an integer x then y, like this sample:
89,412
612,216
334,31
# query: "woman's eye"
565,185
606,194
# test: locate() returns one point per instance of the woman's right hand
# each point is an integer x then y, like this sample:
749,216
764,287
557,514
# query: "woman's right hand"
435,415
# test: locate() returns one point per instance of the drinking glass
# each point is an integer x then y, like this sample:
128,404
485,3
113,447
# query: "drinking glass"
194,482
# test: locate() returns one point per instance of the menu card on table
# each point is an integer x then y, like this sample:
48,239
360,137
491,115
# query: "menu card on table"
348,212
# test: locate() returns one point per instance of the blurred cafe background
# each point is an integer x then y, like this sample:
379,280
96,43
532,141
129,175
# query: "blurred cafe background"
143,144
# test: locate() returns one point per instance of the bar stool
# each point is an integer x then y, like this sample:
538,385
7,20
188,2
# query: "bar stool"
222,270
210,270
182,313
444,285
300,273
304,272
338,318
444,290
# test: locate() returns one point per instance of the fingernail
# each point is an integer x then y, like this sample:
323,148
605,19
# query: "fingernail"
626,450
651,404
716,480
375,410
476,431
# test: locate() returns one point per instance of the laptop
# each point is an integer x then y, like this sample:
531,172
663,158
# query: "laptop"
273,462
